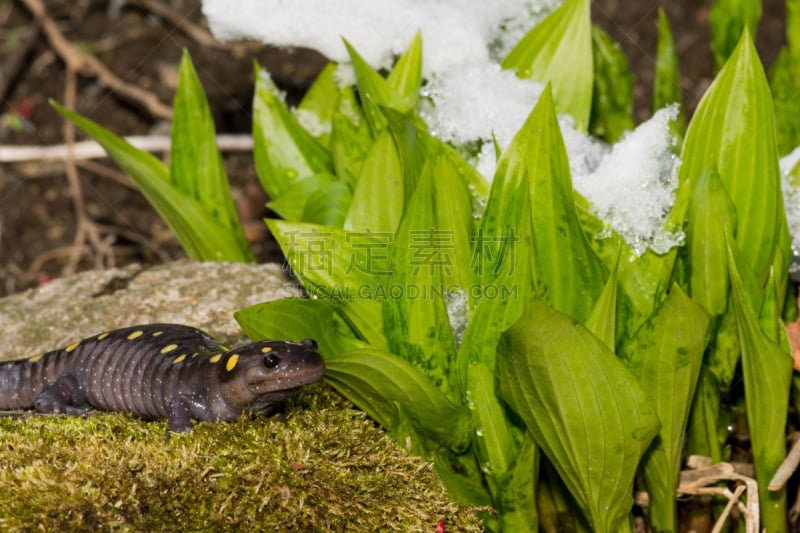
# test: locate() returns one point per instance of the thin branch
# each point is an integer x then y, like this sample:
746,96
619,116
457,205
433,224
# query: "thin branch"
702,480
200,35
92,150
787,468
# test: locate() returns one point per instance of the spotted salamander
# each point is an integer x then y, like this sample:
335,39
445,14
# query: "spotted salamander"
161,371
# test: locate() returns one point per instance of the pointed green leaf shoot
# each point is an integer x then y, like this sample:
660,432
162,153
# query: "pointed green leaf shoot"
612,94
602,320
667,78
202,237
379,183
284,151
712,216
558,50
566,271
315,111
406,77
666,355
582,406
196,167
767,373
350,138
374,91
733,131
417,324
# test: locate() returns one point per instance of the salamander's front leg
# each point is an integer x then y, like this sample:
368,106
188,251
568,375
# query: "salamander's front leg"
180,414
63,395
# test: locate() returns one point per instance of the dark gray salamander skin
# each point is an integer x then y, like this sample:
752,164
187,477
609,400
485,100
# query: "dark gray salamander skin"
161,371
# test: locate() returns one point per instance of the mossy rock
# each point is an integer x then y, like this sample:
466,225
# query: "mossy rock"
328,467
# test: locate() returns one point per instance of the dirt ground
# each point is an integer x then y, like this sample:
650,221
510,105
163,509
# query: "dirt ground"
38,223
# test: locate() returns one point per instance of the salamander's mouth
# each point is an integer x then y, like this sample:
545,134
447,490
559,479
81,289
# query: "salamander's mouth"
290,373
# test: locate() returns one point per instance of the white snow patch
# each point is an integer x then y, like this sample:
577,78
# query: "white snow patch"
311,122
467,106
791,201
455,32
632,189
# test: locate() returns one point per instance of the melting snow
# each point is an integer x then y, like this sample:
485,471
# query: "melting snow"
791,201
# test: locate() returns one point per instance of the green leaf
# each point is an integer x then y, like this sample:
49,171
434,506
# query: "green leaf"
784,80
328,205
566,271
352,269
416,323
603,318
558,50
712,216
299,318
666,355
373,90
291,204
462,477
667,78
767,373
401,399
195,163
502,271
728,18
196,167
350,138
644,279
415,145
452,210
406,77
284,152
515,501
793,26
733,131
379,183
707,431
317,106
202,237
582,406
612,94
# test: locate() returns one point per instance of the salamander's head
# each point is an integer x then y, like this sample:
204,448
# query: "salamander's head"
258,376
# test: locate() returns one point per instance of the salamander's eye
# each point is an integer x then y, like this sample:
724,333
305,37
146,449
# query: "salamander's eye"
310,343
271,360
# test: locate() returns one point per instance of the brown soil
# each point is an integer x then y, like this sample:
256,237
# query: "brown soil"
37,219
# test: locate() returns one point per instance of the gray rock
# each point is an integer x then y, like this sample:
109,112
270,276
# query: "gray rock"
200,294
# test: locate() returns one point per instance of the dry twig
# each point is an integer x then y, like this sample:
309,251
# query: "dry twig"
701,481
85,230
92,150
788,466
88,65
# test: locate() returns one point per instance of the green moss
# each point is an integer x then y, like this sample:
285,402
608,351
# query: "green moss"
327,468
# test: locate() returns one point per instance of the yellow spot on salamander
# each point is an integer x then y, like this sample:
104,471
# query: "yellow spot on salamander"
216,358
72,347
178,359
157,333
168,348
232,360
102,336
35,358
266,349
135,335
